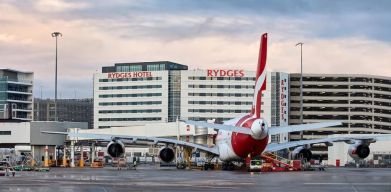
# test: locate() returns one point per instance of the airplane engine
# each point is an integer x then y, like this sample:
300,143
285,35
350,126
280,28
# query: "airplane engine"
167,154
359,151
116,149
302,152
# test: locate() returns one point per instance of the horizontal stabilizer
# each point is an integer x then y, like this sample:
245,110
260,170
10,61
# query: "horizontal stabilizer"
243,130
272,130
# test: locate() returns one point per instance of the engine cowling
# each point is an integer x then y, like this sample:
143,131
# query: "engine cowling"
167,154
302,152
115,149
359,151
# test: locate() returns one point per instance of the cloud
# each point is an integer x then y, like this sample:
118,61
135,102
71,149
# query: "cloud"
201,34
59,5
4,37
339,55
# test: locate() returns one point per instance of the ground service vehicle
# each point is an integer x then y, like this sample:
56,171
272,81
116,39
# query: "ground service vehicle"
255,165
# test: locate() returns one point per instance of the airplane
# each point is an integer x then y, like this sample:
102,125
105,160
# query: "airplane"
241,137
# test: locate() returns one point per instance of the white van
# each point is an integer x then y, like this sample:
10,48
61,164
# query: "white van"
255,165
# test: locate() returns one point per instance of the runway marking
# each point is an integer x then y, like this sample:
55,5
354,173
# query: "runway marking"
120,184
124,185
354,188
374,184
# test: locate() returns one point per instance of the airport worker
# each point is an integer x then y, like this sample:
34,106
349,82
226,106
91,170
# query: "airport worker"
134,164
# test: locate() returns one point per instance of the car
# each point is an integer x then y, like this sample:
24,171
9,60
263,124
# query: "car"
255,165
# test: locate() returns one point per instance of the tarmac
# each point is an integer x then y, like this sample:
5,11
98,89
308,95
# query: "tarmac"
168,179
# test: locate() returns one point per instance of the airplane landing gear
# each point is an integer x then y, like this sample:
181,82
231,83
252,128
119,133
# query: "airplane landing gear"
207,166
181,165
228,166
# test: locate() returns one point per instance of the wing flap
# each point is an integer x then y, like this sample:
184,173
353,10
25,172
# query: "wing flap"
82,135
108,137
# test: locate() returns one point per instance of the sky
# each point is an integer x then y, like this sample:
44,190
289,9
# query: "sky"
344,36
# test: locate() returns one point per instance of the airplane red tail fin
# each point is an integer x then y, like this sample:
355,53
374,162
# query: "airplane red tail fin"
260,78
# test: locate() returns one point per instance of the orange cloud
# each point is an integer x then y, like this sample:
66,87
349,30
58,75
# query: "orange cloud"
198,41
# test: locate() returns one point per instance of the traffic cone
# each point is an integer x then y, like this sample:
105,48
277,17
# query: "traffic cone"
64,158
46,158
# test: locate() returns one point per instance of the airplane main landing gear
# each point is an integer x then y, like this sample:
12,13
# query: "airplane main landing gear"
228,166
210,166
181,165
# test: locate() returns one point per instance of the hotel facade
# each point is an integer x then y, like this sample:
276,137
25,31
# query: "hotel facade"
129,94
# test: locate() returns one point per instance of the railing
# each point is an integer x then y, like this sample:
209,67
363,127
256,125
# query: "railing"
20,90
18,99
276,159
15,80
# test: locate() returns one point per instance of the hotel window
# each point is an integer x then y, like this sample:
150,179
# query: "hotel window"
122,68
131,111
128,68
154,67
5,132
135,68
130,95
131,79
130,103
131,119
130,87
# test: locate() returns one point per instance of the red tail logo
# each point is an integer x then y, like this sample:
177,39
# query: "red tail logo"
260,77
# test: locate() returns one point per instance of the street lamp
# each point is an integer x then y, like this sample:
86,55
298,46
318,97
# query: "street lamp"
56,34
41,91
301,86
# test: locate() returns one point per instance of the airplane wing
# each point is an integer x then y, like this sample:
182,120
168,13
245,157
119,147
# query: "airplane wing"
272,130
108,137
350,138
302,127
206,125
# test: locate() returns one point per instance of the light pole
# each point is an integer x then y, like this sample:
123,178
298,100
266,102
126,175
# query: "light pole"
301,86
56,34
41,91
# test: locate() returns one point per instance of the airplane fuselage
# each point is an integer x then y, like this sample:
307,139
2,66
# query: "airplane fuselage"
235,146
